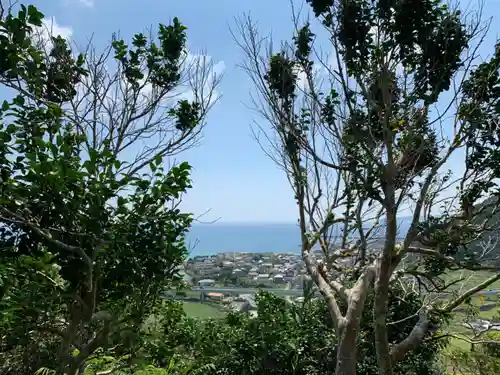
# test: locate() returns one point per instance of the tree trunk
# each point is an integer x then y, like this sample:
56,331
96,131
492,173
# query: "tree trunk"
347,350
381,307
380,328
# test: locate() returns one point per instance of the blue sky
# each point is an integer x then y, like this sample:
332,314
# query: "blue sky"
232,176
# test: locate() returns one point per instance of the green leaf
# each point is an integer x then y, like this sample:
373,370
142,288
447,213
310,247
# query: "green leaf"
35,17
158,159
152,166
5,105
18,100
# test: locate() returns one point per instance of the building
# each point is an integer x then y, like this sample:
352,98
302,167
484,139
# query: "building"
227,264
206,283
216,296
238,272
262,277
278,279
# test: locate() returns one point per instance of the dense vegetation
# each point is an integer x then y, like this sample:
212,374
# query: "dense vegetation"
90,238
87,244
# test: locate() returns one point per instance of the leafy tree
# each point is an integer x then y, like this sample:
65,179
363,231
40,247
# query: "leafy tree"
362,141
289,338
484,359
87,246
124,97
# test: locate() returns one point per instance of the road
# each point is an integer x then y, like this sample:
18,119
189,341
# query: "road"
281,292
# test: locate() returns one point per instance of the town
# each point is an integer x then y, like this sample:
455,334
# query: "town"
229,280
258,270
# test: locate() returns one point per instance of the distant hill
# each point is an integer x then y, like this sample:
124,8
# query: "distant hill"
490,240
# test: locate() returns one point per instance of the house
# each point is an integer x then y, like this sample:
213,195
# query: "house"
216,296
239,306
278,279
238,272
206,283
290,272
206,264
265,267
250,299
262,277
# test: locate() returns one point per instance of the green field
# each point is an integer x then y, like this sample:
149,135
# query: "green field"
193,309
469,279
202,310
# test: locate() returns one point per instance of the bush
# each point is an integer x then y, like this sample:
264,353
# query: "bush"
286,338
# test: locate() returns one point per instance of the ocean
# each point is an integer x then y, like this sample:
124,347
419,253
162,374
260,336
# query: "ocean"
209,239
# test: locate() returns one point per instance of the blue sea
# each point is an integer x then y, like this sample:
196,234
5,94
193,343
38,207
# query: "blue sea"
208,239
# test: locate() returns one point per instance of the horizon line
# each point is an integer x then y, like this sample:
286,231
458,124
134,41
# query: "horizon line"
224,222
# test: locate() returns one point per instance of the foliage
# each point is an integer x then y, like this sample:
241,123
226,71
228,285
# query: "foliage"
361,142
484,359
86,250
286,338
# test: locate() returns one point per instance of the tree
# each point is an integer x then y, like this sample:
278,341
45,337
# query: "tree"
288,338
89,241
479,352
484,359
364,144
124,98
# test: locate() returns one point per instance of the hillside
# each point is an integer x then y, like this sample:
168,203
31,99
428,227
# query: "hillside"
490,241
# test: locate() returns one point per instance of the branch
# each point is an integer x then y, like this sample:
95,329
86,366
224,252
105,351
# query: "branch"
19,220
324,288
461,299
413,340
334,284
95,343
357,294
451,260
467,339
108,372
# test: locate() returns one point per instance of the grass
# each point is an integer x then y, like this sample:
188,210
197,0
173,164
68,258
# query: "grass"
202,310
492,314
193,309
462,345
470,279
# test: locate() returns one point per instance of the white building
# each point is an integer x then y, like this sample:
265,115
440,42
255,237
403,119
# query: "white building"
278,279
206,283
238,272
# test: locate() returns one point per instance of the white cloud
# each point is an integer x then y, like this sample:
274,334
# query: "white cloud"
200,72
318,73
203,73
50,28
85,3
302,82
